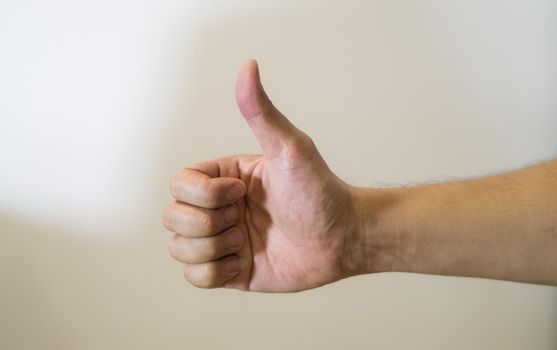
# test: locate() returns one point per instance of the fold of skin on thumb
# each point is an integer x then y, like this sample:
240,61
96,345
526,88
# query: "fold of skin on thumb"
271,128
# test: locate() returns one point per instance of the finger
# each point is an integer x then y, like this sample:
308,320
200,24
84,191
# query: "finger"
271,128
197,188
213,274
191,221
206,249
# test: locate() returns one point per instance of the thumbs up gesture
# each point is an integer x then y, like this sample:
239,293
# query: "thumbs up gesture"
276,222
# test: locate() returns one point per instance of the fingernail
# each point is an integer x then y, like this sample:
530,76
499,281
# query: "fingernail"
232,265
235,238
230,213
235,192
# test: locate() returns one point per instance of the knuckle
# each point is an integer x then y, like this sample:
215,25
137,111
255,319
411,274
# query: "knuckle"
172,246
203,278
304,143
176,250
300,146
180,249
211,274
212,198
210,194
174,184
206,222
210,248
167,217
204,187
187,272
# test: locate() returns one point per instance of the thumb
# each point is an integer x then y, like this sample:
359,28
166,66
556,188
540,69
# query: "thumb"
271,128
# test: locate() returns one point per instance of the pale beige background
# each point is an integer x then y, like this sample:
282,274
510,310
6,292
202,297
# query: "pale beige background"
101,102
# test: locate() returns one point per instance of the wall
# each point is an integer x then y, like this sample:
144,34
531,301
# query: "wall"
102,102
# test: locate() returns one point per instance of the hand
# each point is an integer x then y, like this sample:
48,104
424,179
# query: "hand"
277,222
283,222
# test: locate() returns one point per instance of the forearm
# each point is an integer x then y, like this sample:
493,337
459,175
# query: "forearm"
502,227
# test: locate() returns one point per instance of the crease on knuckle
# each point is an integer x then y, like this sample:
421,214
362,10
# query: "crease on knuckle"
174,187
212,196
172,246
206,194
168,217
210,247
206,223
178,251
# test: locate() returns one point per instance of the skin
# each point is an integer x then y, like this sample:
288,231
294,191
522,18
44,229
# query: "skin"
283,222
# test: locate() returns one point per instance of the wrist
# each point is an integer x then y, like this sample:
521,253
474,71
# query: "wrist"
381,242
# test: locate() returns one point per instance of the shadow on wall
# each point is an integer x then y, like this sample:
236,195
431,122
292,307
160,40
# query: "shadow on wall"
62,290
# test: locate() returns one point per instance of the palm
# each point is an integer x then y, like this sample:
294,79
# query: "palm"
296,218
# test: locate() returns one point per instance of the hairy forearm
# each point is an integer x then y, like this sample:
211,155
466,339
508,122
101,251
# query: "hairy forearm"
502,227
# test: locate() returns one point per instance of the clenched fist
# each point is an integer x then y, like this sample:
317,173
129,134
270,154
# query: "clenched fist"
277,222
